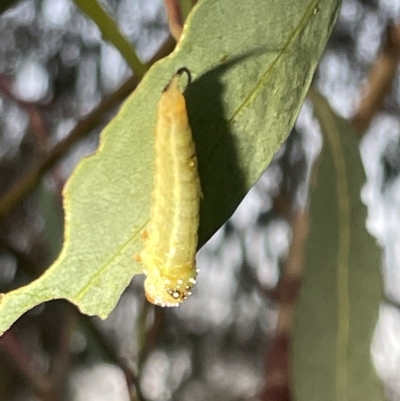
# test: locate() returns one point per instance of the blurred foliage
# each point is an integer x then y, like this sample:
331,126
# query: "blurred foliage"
342,285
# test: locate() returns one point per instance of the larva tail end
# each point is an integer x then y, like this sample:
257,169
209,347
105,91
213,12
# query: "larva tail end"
187,72
177,75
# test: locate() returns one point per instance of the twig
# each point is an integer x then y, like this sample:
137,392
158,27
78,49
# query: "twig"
148,338
111,33
278,356
174,15
28,181
37,122
46,386
379,81
11,345
31,177
112,354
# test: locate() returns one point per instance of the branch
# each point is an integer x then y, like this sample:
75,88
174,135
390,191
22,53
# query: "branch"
278,376
174,15
379,81
37,122
28,181
11,345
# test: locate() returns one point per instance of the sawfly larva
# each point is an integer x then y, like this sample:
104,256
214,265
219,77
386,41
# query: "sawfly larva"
169,254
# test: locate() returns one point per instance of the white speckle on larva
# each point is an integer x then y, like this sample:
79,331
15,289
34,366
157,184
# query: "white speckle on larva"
172,253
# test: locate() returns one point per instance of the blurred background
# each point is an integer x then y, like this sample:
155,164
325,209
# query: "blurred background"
55,69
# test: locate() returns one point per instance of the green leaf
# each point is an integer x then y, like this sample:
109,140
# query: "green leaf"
342,284
111,33
51,212
252,62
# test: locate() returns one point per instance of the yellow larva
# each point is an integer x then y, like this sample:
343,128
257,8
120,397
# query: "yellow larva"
169,254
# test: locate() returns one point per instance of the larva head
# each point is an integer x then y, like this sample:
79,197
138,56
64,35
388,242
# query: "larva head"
166,290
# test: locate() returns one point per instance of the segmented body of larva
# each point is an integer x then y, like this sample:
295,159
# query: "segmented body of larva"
169,254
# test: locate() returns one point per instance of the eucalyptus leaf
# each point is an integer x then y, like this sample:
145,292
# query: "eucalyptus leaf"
342,283
111,33
252,62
